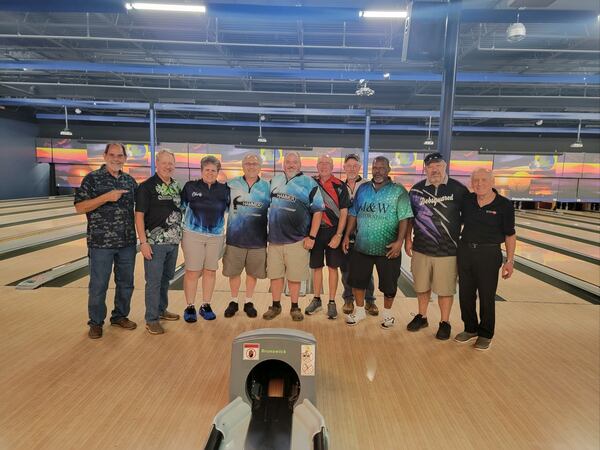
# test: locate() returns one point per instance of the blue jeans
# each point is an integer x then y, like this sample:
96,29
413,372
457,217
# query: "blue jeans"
347,295
101,265
159,271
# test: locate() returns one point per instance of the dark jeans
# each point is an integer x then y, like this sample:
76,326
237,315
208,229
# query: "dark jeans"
347,294
478,274
101,265
159,271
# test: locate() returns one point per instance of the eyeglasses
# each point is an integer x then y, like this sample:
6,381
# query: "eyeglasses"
433,157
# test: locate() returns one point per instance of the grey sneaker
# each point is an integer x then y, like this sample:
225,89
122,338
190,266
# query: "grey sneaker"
482,343
465,337
313,307
331,310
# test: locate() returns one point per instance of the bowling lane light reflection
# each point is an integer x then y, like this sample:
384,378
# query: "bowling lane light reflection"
371,367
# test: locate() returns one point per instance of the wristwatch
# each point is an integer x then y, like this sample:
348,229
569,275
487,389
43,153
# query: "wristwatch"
312,238
339,234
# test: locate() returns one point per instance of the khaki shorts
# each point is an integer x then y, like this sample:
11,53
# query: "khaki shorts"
236,259
201,251
289,261
435,273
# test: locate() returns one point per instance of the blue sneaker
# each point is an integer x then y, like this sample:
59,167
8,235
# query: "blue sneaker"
207,313
189,315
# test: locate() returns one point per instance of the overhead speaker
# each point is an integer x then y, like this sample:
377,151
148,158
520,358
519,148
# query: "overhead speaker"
424,32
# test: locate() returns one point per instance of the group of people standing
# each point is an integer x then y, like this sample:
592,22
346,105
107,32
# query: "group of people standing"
294,224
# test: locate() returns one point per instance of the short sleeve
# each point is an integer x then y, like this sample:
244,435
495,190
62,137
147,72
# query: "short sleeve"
508,219
344,198
353,210
85,191
316,202
403,207
184,197
142,198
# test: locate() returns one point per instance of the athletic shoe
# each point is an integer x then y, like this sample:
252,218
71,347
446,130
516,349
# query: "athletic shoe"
483,343
348,308
167,315
331,310
95,332
207,313
189,315
250,310
296,314
443,332
232,308
371,309
465,337
314,306
417,323
272,312
353,319
387,323
155,328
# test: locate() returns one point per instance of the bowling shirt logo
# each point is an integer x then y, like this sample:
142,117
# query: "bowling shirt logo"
489,211
436,200
249,204
282,196
196,194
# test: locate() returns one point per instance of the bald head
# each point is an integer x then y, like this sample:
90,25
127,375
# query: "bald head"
482,181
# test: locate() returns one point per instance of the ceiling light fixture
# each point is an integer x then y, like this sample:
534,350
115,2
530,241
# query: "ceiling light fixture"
386,75
165,7
516,31
261,139
364,90
429,142
383,14
66,131
77,111
578,143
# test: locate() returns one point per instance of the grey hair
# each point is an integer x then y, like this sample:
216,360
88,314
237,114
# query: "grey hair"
293,152
488,172
247,156
382,159
164,152
210,160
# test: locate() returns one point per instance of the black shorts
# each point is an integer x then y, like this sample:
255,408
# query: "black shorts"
361,268
334,256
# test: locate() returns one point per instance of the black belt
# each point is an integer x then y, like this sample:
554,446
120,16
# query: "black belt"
476,245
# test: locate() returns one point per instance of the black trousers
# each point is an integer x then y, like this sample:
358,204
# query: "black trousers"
478,275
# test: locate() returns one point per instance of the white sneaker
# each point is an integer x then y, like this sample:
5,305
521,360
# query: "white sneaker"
388,322
353,319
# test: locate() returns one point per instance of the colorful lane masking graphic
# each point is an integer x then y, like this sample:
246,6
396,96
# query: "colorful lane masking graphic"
567,177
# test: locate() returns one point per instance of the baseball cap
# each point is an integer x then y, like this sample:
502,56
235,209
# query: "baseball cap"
433,157
352,156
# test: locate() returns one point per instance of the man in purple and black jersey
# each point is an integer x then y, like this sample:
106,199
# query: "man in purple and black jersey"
436,203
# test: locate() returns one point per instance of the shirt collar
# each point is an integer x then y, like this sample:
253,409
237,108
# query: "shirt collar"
358,178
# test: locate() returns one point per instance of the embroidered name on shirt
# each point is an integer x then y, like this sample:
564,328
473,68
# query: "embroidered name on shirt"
490,212
374,207
196,194
435,200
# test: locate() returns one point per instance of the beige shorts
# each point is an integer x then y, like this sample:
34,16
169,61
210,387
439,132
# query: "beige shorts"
289,261
201,251
435,273
236,259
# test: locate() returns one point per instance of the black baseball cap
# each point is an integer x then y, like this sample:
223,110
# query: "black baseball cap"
433,157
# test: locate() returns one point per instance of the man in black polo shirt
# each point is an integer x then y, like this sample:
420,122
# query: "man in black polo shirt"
158,223
436,208
489,220
106,196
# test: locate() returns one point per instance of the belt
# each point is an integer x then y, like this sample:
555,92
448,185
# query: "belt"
476,245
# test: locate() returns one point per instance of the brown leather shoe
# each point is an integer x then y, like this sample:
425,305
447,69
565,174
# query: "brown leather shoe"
168,315
124,322
296,314
272,312
371,309
95,332
155,328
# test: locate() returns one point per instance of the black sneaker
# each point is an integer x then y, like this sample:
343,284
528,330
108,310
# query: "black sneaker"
250,310
443,332
417,323
232,308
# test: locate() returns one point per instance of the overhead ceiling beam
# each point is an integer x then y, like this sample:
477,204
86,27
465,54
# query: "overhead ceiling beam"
350,75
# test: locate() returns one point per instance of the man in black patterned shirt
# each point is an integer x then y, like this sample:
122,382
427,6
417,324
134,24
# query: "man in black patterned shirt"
106,196
436,203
